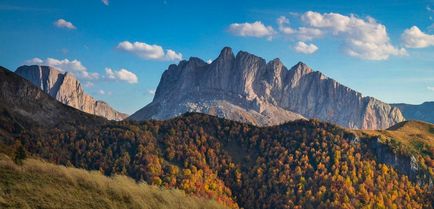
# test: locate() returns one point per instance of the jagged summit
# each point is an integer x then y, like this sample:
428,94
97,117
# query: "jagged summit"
244,87
226,52
67,89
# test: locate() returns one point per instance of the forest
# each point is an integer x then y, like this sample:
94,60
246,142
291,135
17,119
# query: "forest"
300,164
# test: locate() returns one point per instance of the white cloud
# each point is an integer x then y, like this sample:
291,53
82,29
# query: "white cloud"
209,61
282,21
102,92
73,66
304,48
302,33
105,2
122,75
305,33
415,38
172,55
431,88
62,23
256,29
363,38
149,52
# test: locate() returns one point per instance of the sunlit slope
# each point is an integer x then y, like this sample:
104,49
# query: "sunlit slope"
38,184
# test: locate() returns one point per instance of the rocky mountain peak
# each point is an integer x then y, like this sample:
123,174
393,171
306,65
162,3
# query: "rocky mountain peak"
67,89
302,68
226,53
247,88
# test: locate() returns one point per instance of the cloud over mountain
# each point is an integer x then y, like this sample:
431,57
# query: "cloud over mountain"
363,38
73,66
255,29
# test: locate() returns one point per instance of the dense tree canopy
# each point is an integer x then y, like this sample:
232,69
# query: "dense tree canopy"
302,164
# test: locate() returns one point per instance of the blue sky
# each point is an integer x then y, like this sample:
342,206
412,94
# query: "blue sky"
370,46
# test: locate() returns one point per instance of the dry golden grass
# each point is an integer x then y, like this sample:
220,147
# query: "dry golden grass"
38,184
416,135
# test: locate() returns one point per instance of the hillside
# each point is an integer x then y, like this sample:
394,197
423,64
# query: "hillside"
412,136
299,164
303,163
26,105
246,88
37,184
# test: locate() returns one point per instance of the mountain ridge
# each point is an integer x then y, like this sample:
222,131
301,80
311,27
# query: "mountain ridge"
67,89
26,104
262,93
423,112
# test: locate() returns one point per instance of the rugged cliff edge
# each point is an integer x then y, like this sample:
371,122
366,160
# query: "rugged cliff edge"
67,89
246,88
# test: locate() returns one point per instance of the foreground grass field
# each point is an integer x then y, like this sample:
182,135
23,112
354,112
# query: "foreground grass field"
37,184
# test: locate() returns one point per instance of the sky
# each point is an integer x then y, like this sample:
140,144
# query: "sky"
119,49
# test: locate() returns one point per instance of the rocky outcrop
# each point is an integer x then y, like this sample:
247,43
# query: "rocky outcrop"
25,106
67,89
422,112
247,88
405,164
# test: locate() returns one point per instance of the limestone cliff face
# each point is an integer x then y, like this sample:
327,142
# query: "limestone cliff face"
247,88
67,89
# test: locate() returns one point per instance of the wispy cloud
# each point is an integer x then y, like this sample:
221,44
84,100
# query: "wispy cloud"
431,88
62,23
105,2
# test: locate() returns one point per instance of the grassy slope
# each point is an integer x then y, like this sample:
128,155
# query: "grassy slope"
416,136
38,184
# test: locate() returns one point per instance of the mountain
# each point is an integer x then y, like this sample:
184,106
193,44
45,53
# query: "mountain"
299,164
245,88
68,90
26,106
423,112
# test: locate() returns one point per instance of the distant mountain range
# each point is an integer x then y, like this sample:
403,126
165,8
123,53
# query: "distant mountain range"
422,112
248,89
67,89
